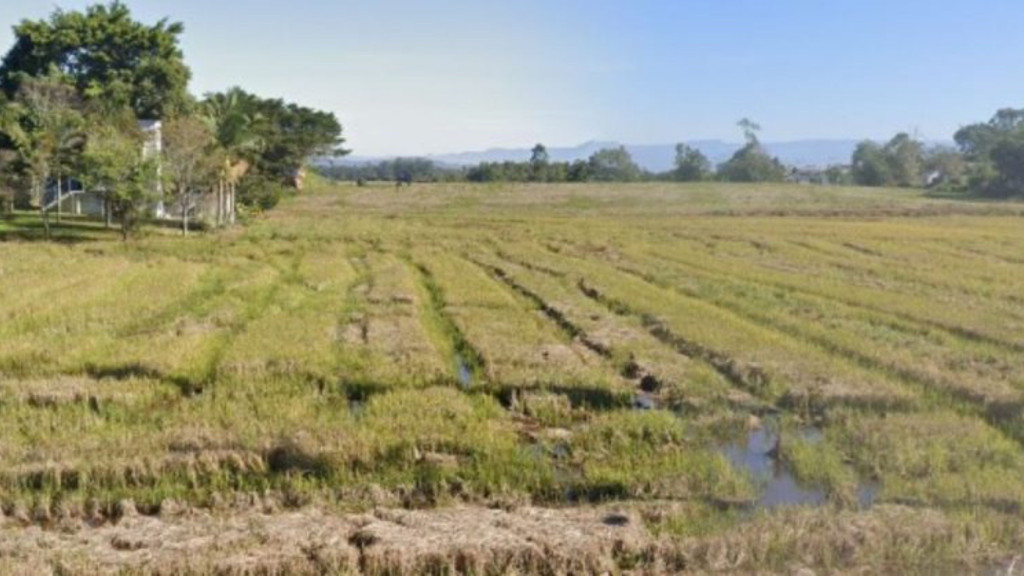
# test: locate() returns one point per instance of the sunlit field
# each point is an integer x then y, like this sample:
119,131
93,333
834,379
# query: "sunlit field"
649,377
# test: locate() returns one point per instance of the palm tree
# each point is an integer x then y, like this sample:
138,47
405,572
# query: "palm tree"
237,125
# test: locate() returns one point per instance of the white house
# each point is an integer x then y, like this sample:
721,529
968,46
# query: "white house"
75,199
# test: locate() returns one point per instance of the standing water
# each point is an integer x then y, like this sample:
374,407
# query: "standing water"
756,453
464,374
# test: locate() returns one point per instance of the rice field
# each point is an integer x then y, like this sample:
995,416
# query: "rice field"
643,378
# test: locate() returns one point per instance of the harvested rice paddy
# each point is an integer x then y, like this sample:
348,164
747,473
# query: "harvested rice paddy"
552,379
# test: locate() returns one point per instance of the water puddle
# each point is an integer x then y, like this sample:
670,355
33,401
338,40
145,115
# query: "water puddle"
757,453
464,374
644,401
867,493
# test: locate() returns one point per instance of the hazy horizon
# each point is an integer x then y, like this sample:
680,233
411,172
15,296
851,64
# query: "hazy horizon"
427,78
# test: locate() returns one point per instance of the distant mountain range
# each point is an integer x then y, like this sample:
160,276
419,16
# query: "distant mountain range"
653,157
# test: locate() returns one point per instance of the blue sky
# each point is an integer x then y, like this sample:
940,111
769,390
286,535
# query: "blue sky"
430,76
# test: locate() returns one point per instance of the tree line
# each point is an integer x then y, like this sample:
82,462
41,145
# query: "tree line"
751,163
987,160
73,90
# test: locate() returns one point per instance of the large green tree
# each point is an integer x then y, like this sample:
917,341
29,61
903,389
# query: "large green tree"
613,165
44,127
905,155
276,137
107,55
751,163
869,166
292,135
900,162
114,161
995,152
239,128
691,164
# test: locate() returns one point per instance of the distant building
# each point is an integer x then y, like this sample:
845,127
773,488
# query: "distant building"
75,199
807,176
831,176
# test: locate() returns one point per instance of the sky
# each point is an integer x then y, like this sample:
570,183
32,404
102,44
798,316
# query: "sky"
410,77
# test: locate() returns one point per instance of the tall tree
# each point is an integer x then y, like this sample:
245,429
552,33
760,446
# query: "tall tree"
539,160
994,152
7,177
107,56
238,127
905,156
751,163
269,139
293,134
189,162
115,162
45,127
750,130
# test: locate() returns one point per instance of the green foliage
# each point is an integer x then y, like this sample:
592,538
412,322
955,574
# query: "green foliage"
995,151
539,163
750,130
109,57
905,156
752,164
190,162
870,167
946,167
276,137
44,129
613,165
261,193
838,176
236,119
539,155
900,162
691,164
396,170
115,162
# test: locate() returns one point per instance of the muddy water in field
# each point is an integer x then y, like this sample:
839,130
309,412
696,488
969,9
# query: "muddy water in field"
462,372
756,453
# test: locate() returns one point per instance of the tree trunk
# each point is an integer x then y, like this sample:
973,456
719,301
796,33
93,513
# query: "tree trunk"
232,204
216,198
46,221
40,191
60,198
184,216
108,216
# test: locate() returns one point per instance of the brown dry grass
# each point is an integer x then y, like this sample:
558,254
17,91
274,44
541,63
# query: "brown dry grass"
471,540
